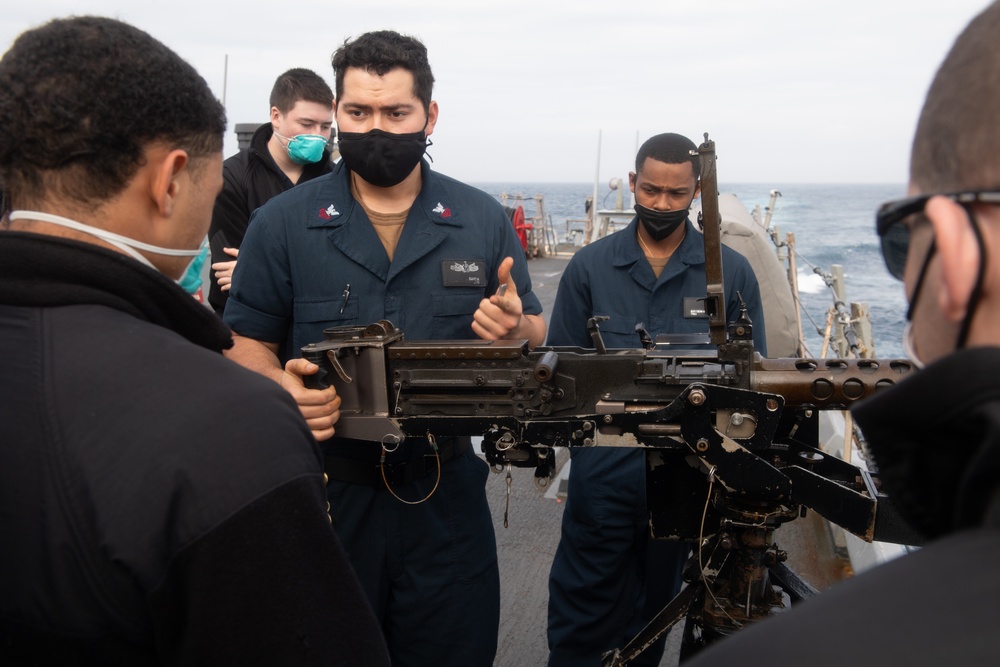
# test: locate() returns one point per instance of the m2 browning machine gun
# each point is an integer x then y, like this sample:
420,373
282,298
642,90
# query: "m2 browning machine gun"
731,437
732,442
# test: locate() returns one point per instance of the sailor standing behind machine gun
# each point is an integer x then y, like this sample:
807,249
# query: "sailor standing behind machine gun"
609,578
384,237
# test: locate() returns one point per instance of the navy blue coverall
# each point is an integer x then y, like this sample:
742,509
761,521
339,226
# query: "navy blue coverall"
311,260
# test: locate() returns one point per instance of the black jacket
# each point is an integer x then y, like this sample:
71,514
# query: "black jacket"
936,440
250,178
158,503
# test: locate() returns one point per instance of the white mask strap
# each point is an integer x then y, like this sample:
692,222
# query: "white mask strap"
123,243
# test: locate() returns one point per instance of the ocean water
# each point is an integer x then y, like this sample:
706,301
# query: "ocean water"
833,224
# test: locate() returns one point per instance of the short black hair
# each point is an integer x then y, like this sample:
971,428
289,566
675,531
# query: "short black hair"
380,51
957,142
84,97
669,148
300,84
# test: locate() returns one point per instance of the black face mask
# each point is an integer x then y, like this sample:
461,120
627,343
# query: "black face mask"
382,158
660,224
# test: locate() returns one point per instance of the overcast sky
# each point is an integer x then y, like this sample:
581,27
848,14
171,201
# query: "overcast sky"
790,90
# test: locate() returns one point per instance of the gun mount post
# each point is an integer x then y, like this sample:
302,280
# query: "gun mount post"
711,224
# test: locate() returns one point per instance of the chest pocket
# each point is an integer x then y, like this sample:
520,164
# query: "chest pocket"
452,311
619,331
455,302
326,310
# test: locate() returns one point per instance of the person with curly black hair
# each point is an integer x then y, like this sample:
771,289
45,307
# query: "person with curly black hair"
137,528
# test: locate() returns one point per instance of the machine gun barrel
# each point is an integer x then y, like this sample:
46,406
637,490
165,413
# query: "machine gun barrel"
826,383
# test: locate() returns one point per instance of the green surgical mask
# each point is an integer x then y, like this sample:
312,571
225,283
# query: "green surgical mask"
305,148
191,280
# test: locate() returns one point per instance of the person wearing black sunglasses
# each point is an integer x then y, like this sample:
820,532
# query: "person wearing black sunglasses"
914,217
935,436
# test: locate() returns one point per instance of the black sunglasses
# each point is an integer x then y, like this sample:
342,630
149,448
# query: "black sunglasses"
895,237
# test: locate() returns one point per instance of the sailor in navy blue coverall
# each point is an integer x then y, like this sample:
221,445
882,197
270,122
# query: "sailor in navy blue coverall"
609,577
312,261
384,237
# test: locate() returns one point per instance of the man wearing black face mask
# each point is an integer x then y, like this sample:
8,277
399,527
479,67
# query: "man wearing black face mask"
608,577
384,237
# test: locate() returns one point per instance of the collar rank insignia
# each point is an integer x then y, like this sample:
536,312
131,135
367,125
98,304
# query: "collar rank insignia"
442,211
328,212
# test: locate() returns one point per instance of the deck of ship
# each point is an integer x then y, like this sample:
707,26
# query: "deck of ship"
527,546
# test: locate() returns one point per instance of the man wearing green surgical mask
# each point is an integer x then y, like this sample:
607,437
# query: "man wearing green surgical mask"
138,527
293,147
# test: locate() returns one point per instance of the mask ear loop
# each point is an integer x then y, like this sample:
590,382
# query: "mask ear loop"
427,139
977,290
908,345
920,280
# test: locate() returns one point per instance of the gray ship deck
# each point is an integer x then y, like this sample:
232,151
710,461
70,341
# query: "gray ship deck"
527,546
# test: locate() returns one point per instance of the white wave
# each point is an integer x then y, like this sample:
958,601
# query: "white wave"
810,283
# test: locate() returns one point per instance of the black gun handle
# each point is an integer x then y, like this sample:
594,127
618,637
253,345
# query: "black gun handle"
319,379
